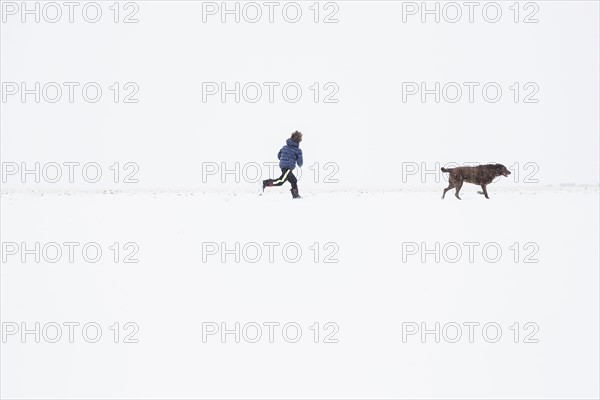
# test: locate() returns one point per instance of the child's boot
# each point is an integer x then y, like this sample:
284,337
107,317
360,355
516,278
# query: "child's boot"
268,182
295,194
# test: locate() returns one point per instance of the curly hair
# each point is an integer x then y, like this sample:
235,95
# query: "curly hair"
297,136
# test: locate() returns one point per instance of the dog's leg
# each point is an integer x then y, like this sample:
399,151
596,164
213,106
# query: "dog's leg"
458,186
445,190
484,187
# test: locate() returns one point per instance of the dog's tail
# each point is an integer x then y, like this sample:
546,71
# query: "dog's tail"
446,169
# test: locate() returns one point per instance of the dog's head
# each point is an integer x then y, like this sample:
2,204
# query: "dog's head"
501,170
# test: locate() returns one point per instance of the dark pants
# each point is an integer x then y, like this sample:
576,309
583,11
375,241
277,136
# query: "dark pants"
286,175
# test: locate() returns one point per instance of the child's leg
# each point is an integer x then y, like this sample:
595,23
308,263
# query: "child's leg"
294,182
285,173
292,178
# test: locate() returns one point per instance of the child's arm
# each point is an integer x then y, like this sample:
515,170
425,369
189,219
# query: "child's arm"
279,155
300,160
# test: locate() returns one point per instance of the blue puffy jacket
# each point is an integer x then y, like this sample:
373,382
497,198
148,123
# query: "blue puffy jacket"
289,155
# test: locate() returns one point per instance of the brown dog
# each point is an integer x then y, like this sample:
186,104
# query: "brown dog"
481,175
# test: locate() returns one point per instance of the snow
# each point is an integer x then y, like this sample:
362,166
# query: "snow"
369,293
156,166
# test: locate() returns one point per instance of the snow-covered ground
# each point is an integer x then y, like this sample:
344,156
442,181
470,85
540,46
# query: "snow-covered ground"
374,296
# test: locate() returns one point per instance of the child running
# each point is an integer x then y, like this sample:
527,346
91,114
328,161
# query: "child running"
289,155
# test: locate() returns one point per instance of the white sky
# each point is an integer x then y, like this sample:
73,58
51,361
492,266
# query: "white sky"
368,54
